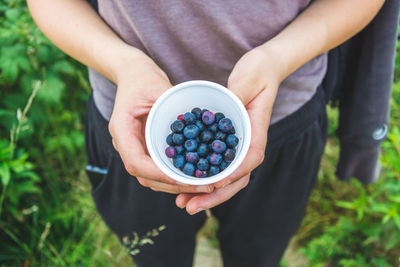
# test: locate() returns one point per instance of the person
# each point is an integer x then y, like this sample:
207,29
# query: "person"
271,54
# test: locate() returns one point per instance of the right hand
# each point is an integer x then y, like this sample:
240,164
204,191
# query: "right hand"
139,85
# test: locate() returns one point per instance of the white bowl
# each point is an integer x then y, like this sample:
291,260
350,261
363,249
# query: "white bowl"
183,98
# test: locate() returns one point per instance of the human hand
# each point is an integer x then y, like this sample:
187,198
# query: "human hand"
255,80
139,86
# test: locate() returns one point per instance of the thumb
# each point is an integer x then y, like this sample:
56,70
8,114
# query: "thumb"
244,85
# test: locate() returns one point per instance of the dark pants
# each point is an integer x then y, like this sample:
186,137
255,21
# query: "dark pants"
255,226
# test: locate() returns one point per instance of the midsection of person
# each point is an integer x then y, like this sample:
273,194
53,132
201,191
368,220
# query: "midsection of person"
192,40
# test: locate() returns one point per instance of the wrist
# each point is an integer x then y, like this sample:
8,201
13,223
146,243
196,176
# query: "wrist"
274,55
126,62
131,63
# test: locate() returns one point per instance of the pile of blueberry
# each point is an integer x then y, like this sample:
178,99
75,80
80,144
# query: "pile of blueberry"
202,143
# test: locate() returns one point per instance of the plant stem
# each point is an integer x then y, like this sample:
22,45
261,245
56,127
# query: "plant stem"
15,131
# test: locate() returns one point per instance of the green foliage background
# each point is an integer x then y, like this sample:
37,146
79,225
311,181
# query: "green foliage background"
47,217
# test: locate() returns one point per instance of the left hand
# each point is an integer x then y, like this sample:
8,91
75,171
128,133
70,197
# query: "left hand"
255,80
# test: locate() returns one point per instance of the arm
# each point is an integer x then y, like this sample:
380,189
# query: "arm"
322,26
256,77
76,29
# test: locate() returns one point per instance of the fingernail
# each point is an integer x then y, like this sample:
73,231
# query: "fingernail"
179,204
197,211
203,188
227,183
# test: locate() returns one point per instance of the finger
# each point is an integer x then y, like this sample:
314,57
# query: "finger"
254,157
218,196
244,81
242,87
174,189
182,199
126,131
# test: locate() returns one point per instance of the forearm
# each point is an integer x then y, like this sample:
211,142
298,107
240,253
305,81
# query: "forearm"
74,27
322,26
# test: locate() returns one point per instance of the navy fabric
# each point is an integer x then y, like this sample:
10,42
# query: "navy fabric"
93,3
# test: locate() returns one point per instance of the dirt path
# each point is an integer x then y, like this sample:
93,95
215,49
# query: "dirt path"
208,256
205,255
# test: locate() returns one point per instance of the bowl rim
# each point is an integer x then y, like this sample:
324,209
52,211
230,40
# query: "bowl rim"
194,180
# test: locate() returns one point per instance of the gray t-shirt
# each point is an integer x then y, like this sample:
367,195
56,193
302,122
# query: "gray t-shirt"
203,39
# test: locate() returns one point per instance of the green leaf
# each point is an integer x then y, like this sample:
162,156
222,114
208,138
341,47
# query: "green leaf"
380,207
397,221
395,198
370,240
25,187
9,71
5,173
51,90
12,14
345,204
386,219
391,241
5,150
360,214
64,67
43,54
23,63
33,176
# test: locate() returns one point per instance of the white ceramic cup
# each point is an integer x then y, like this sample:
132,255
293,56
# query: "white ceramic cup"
183,98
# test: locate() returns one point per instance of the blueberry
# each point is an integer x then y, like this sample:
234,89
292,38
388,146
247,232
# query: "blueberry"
179,161
232,140
202,111
170,152
178,138
192,157
189,118
220,136
177,126
215,159
200,125
169,140
218,146
188,168
232,131
213,170
208,118
224,164
213,127
202,164
191,131
225,125
197,139
202,150
191,145
206,136
219,116
229,154
179,149
197,112
200,174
